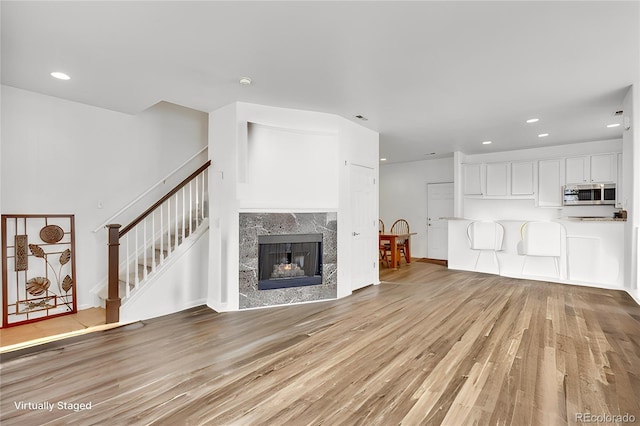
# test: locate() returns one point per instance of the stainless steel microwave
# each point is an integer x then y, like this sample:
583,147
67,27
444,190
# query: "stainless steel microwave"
589,194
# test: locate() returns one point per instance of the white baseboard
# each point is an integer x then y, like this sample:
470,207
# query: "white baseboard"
219,307
635,295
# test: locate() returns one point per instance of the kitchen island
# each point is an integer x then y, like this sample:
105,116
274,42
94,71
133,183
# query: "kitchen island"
586,251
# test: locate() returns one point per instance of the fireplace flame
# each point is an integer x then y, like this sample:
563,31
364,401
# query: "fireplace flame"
287,270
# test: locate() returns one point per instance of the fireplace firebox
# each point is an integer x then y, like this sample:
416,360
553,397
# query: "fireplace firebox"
291,260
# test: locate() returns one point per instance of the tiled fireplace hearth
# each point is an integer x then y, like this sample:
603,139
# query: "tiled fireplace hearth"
255,227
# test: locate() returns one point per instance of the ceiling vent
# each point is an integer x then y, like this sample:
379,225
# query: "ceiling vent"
618,113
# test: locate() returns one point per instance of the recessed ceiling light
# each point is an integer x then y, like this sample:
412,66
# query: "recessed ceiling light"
486,142
383,159
613,125
60,75
533,120
543,135
245,81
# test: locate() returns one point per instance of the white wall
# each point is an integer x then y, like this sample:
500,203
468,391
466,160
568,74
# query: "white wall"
338,142
403,194
631,188
65,157
283,167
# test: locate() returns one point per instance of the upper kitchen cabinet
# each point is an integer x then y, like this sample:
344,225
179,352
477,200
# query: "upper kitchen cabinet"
591,168
510,180
604,168
577,169
522,178
550,183
472,179
497,179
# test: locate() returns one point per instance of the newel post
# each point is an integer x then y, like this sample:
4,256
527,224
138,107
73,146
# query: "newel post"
113,298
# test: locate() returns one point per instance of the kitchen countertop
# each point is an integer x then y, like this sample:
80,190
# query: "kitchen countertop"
593,219
568,218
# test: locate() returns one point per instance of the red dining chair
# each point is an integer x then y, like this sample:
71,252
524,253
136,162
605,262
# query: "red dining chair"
383,246
401,226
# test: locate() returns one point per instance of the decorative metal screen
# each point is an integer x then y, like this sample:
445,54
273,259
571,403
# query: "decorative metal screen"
38,268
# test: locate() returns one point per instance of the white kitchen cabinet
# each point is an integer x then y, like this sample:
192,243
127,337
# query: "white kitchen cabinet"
472,178
577,169
522,178
604,168
600,168
550,183
497,179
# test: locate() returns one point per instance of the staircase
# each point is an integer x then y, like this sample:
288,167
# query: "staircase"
146,246
141,269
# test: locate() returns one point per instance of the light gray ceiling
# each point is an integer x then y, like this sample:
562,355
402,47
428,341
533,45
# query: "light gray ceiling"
430,76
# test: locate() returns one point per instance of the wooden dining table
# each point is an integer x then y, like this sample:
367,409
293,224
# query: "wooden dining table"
393,241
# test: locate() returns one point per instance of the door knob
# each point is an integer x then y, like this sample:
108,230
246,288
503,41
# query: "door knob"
356,233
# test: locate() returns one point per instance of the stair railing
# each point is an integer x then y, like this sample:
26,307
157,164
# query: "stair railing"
148,240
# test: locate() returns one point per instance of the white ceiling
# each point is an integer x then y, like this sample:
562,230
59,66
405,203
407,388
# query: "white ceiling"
430,76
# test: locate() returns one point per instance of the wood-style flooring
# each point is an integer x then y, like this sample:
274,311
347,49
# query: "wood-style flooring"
431,346
51,329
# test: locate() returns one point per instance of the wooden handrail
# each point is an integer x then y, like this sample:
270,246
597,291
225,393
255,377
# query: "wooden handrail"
139,197
177,188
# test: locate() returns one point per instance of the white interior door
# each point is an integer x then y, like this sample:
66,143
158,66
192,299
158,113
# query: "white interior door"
363,227
439,204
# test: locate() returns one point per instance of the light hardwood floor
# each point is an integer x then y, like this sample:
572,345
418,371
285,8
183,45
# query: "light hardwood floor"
51,329
430,346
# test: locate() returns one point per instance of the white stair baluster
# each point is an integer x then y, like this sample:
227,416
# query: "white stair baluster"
184,213
168,226
153,241
177,219
161,235
197,204
135,261
190,211
127,280
206,173
202,201
144,248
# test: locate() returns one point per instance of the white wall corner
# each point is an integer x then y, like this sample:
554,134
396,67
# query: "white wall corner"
631,186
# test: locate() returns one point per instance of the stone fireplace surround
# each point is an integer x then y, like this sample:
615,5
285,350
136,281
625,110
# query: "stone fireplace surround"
254,224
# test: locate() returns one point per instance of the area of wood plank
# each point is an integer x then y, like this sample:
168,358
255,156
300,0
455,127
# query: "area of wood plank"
427,346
